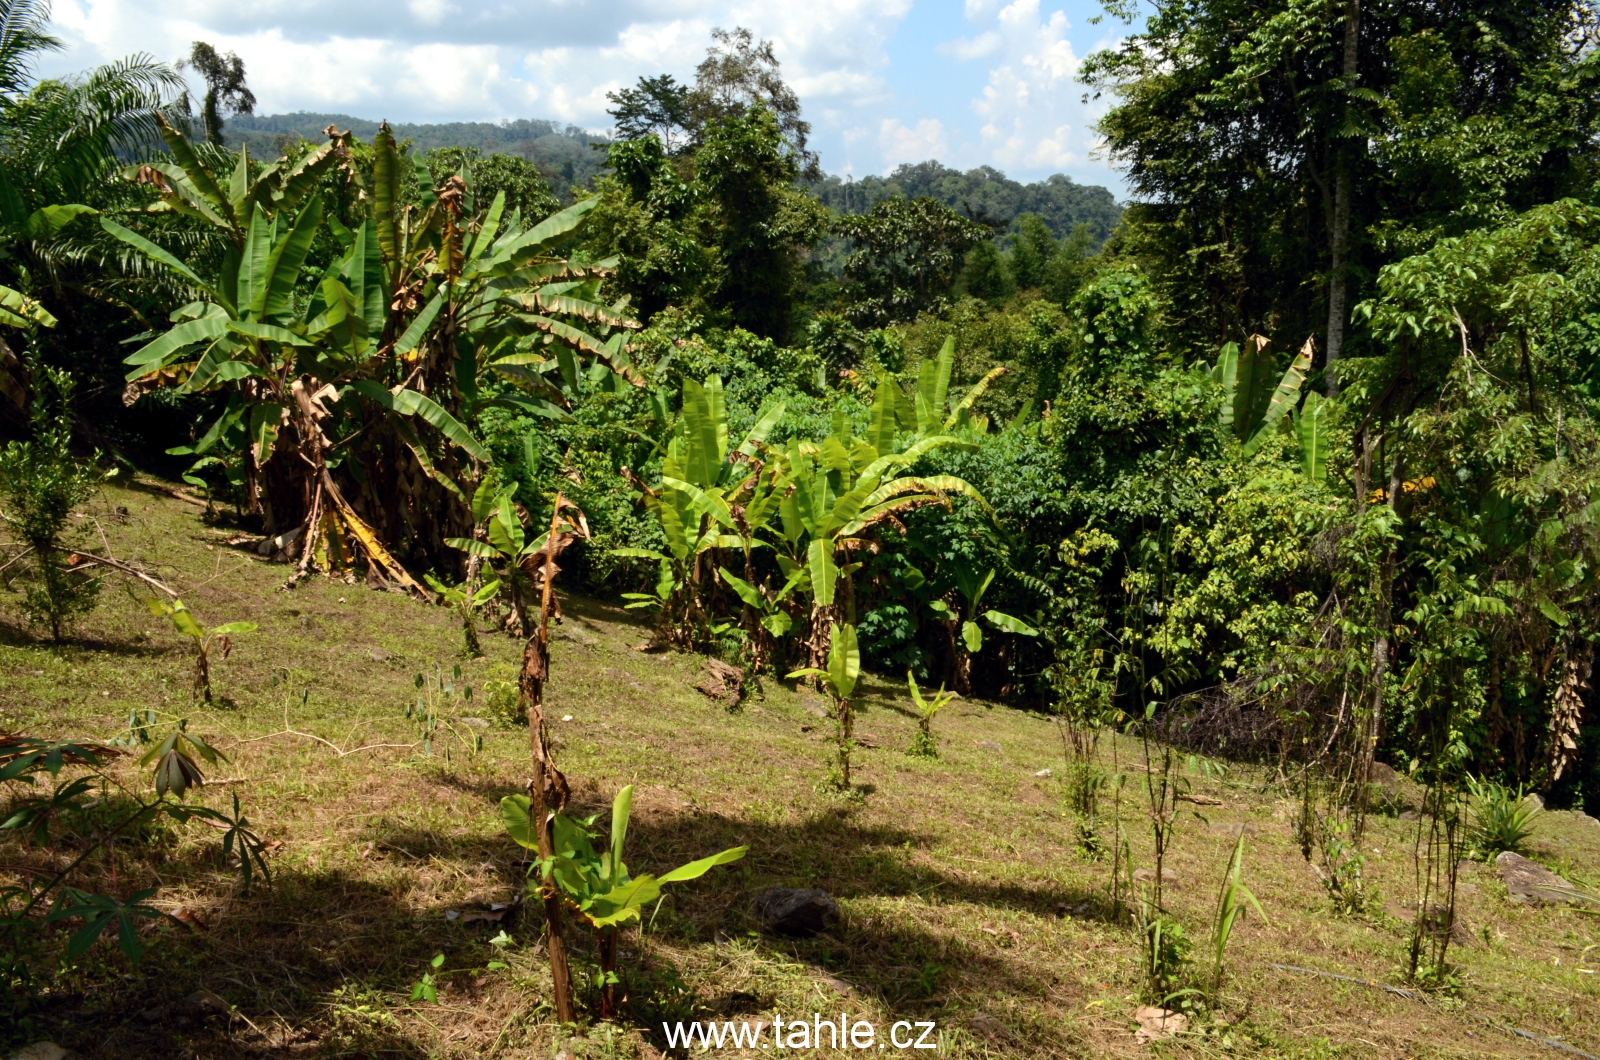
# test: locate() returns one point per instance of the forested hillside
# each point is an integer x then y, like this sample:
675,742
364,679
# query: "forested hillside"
1278,490
569,157
984,194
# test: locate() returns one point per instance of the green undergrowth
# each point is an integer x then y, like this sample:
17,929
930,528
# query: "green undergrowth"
966,900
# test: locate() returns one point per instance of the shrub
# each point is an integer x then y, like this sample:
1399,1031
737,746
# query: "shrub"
1501,818
42,483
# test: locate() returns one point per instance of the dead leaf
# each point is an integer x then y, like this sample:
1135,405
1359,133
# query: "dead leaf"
1201,800
190,917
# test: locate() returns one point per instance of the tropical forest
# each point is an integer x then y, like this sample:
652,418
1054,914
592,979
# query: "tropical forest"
515,590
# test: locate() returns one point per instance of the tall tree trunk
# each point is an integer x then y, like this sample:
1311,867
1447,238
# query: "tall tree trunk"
1343,192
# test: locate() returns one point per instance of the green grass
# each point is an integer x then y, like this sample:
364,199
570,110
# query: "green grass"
964,899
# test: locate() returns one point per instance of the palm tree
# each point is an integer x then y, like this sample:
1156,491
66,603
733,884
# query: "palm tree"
22,38
61,143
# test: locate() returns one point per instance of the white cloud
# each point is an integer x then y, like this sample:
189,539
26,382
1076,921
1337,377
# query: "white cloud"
444,60
979,47
1032,109
900,144
489,59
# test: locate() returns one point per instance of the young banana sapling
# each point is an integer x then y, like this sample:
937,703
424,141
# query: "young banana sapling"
844,670
467,601
205,640
598,886
923,744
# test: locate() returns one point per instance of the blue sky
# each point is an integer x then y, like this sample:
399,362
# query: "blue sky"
979,82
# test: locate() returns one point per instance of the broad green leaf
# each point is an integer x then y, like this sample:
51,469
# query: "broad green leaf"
418,327
285,259
515,813
412,403
197,173
639,553
747,592
767,419
18,310
621,810
1312,430
155,253
1283,398
268,332
232,629
824,573
844,660
696,869
972,637
149,356
386,192
45,222
1010,624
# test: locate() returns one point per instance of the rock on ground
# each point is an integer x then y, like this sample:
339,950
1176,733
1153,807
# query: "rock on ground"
1528,881
795,912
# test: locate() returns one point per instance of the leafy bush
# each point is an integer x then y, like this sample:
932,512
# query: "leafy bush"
42,484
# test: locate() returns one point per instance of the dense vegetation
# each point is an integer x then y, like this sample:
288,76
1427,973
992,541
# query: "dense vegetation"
1294,461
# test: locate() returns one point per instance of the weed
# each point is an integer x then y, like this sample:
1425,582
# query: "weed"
1232,901
428,712
466,601
426,989
840,677
598,886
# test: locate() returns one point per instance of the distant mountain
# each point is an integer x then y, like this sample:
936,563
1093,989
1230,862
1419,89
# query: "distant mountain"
568,157
563,153
984,193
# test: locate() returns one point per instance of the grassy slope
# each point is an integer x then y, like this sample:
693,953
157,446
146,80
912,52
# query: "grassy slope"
955,875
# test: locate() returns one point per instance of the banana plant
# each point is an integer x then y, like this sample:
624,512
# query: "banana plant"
1252,405
205,640
505,542
841,488
428,315
971,588
923,744
839,677
931,412
598,886
709,497
466,601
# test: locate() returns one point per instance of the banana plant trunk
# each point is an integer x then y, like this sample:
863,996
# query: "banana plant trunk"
547,789
608,973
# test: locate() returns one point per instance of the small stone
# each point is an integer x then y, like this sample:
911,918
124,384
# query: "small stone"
379,655
566,717
204,1003
40,1051
839,986
795,912
1044,773
481,724
813,706
1158,1023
